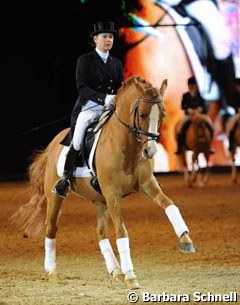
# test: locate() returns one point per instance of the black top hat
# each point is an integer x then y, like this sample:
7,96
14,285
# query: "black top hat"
103,27
192,81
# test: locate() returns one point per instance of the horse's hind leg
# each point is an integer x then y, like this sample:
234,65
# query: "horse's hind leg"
111,262
53,208
150,188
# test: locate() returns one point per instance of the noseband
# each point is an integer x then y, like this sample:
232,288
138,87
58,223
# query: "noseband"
134,130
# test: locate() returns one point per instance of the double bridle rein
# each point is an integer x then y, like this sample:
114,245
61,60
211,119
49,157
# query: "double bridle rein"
136,131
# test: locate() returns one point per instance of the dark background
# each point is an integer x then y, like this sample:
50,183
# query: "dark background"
40,44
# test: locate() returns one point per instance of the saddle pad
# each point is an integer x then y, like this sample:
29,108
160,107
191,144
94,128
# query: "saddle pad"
84,171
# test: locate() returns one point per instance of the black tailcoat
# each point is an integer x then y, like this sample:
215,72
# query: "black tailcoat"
95,79
193,102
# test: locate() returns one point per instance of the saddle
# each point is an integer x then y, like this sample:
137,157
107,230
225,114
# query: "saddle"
88,141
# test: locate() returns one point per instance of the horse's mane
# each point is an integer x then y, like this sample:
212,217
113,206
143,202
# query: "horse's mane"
152,91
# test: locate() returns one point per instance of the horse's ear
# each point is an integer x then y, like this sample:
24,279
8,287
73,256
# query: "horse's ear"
163,87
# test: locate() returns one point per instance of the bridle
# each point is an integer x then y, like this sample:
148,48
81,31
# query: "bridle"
136,131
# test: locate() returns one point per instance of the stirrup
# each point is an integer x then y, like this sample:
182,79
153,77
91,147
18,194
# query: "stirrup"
62,187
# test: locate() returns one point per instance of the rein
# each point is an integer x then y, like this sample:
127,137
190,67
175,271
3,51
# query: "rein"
133,130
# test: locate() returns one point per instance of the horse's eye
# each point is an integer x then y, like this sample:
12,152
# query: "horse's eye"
143,115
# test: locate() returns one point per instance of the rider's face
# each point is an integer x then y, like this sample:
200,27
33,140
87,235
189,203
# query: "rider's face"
104,41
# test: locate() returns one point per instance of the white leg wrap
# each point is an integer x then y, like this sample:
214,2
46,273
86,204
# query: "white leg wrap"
109,256
176,220
50,254
125,256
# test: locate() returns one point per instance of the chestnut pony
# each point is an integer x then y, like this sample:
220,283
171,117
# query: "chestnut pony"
198,139
123,164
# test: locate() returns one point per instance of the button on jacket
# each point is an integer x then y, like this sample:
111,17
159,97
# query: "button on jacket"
95,79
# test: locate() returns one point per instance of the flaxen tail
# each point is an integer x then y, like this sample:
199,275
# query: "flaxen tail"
30,217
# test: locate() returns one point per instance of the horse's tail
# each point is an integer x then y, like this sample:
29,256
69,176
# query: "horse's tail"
30,217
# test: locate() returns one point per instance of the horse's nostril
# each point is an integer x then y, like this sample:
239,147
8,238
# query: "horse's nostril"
145,153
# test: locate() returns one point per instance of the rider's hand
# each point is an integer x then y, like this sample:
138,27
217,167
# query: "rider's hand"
190,111
199,109
109,101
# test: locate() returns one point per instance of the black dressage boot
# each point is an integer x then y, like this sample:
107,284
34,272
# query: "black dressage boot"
180,142
63,185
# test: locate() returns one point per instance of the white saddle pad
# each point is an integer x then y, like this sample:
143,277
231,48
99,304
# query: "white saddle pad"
84,171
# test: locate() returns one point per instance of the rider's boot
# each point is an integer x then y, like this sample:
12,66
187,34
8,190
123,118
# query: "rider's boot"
63,185
180,142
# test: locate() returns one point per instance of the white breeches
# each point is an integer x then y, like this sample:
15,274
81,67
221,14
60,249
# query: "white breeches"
206,13
90,113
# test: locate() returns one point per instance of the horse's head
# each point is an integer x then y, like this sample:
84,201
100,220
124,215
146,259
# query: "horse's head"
146,112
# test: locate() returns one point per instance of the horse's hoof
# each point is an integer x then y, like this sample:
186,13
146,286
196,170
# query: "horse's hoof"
54,277
131,281
187,248
132,284
118,276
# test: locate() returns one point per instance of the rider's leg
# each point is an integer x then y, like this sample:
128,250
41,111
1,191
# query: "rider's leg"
180,142
85,118
181,134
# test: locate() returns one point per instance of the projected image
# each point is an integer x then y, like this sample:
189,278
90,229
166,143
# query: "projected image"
175,42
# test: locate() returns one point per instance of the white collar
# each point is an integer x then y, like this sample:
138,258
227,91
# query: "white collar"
103,55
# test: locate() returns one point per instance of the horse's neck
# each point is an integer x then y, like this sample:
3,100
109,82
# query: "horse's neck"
121,137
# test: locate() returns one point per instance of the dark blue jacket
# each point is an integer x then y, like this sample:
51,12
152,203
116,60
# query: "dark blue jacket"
95,79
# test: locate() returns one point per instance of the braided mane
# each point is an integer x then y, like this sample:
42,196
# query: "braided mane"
149,89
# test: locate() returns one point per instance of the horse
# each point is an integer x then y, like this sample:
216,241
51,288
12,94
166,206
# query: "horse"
128,139
198,139
233,131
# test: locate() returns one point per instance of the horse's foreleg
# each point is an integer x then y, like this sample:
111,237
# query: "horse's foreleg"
152,190
111,262
113,205
187,177
53,208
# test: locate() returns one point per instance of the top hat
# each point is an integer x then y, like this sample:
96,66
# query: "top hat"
103,27
192,81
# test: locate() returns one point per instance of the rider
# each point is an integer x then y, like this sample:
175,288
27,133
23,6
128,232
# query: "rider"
98,77
191,100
